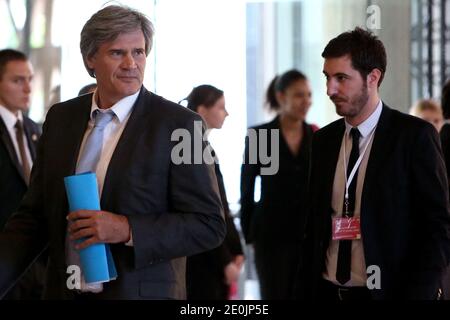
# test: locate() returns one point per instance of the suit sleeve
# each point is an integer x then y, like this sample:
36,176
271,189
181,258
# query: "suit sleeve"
26,229
232,238
431,203
221,256
304,279
195,222
249,171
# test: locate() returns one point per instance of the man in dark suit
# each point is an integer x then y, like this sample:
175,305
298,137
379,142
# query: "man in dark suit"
379,223
19,136
154,212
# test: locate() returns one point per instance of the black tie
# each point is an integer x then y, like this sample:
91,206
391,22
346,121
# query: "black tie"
345,246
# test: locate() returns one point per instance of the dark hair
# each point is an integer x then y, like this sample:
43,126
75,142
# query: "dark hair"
87,89
280,84
7,55
205,95
366,51
445,100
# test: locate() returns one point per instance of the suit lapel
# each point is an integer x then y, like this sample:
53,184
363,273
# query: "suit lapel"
127,142
326,161
329,158
6,139
74,124
379,150
76,129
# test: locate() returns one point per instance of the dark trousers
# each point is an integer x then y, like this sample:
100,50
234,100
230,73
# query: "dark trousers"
328,291
277,267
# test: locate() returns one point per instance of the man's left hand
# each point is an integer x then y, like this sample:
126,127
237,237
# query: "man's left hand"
97,226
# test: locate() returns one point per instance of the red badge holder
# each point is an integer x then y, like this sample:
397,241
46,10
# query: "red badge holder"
346,228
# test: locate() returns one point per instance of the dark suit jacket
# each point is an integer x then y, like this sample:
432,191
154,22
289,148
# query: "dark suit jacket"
281,211
173,210
405,218
13,186
205,276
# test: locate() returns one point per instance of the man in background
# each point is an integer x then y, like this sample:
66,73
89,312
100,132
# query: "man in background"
19,136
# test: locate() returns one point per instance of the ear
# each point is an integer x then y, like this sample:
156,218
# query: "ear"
90,61
201,110
373,78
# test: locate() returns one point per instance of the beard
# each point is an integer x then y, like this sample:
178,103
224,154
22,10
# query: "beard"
351,106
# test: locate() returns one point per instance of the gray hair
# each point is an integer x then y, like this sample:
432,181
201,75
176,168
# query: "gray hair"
107,24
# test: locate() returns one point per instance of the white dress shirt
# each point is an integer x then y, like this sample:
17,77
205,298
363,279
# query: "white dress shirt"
10,120
111,133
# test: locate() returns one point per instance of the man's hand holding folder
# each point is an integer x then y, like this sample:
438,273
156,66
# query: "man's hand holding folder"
94,226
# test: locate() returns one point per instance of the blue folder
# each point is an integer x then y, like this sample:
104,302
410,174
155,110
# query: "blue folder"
97,263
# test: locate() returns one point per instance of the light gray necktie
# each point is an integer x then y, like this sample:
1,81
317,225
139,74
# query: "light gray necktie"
88,163
94,143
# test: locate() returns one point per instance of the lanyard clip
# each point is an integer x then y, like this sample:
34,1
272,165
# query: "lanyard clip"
346,203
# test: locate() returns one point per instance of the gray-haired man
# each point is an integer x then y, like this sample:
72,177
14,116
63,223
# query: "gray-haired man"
154,213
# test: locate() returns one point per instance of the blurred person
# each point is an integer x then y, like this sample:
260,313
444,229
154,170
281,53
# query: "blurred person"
89,88
379,223
55,96
19,133
19,138
273,224
428,110
154,212
210,275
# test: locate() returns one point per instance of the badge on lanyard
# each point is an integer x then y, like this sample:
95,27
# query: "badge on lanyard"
346,228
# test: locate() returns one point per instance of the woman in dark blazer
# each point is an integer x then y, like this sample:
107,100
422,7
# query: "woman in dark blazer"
274,225
210,274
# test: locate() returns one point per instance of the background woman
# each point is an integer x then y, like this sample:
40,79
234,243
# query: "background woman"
210,274
274,224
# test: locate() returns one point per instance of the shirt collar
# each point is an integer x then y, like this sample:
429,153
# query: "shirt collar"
10,118
121,109
369,124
